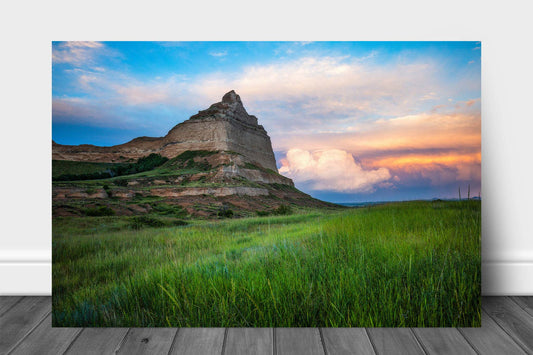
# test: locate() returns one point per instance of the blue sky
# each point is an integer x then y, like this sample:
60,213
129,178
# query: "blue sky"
349,121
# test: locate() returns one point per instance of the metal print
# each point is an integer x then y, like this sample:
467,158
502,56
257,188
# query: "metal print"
266,184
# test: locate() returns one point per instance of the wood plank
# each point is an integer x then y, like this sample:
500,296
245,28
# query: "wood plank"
394,341
512,318
46,340
347,341
249,341
490,338
98,341
25,332
204,341
526,302
18,321
6,302
443,341
148,341
298,341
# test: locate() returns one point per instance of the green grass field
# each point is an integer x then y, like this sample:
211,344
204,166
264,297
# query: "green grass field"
401,264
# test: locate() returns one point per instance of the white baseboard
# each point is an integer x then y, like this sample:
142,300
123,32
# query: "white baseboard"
26,278
35,278
507,278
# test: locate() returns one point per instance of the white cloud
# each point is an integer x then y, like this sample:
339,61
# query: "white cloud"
144,95
311,93
317,93
332,170
429,96
219,54
305,97
76,52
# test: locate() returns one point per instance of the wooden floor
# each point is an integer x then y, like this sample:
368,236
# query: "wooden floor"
25,328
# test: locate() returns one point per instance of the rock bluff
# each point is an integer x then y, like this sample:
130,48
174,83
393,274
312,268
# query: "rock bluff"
224,126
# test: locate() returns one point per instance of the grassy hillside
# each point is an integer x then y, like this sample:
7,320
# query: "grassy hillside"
74,171
403,264
64,167
151,166
198,181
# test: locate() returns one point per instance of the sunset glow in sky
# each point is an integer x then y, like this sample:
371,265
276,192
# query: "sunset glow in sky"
349,121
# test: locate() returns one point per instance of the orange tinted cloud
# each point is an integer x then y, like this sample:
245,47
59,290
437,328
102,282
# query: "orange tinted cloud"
460,130
439,168
422,131
413,161
441,147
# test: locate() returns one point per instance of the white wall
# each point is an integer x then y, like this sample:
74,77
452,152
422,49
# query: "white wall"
27,28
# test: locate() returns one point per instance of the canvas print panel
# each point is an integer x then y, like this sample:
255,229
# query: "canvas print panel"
266,184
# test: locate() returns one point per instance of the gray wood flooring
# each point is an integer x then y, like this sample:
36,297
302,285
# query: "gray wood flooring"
25,328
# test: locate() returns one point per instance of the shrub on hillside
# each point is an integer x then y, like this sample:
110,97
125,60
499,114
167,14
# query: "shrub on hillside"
168,210
225,213
99,211
121,182
282,210
145,221
179,222
151,161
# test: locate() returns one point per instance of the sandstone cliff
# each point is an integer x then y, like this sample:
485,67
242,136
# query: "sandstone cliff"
224,126
219,158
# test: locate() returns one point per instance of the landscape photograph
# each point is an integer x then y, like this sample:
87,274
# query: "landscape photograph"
266,184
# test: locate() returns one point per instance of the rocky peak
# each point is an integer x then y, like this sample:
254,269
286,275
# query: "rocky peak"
230,108
232,98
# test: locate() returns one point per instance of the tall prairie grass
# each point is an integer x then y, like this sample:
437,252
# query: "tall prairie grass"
411,264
